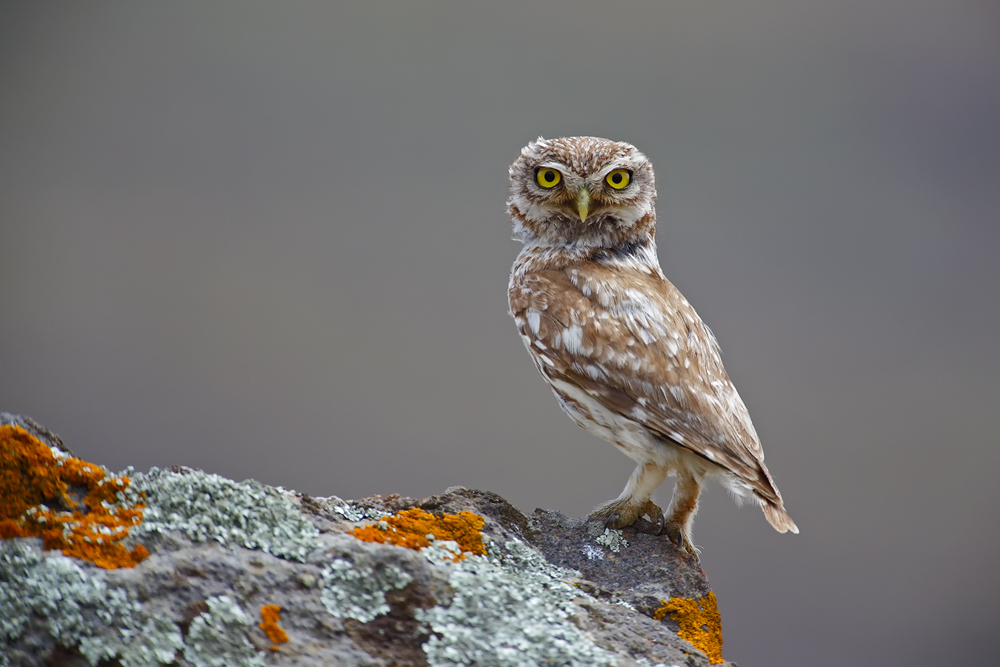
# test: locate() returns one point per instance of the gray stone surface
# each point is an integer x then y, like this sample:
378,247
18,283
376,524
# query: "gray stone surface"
551,590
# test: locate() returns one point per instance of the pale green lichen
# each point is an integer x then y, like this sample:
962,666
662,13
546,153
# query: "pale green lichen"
612,539
219,638
443,550
359,592
74,605
207,507
154,643
508,610
351,512
79,610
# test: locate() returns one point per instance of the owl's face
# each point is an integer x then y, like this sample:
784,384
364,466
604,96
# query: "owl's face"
581,191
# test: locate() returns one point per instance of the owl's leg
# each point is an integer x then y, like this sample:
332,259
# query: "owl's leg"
683,506
634,501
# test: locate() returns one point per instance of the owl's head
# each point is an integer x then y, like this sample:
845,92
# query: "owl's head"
581,191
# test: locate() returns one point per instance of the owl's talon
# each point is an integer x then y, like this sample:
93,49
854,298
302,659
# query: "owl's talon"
676,535
673,533
663,524
609,523
650,528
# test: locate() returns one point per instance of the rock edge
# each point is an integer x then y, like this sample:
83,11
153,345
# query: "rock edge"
224,554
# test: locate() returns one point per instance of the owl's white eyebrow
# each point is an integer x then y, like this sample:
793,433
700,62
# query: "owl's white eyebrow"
621,164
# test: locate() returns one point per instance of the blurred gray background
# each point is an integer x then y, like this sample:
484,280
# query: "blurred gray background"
269,241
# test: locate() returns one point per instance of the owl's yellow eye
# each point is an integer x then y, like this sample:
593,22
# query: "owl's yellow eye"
547,178
618,179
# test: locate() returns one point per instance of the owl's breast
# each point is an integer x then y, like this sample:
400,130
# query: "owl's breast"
601,322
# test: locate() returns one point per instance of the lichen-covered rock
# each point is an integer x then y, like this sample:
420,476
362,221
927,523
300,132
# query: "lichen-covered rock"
207,507
242,574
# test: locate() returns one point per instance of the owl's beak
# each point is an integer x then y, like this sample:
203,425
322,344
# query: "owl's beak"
583,203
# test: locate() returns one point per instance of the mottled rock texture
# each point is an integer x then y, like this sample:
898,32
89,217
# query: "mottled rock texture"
225,556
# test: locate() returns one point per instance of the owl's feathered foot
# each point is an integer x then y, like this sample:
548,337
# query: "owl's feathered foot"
621,513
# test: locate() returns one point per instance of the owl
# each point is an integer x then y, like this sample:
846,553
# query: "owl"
626,355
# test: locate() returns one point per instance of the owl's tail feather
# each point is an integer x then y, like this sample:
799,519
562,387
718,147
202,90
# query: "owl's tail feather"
778,517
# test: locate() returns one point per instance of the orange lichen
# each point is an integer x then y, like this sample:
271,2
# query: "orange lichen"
41,492
700,623
270,614
411,528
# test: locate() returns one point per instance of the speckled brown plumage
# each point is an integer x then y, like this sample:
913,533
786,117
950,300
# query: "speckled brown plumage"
624,352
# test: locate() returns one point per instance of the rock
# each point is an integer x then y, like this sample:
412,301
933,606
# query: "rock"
222,573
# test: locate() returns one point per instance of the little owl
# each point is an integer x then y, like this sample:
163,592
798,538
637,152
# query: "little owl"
626,355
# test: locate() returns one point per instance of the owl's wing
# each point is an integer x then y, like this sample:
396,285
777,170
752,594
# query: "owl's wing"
632,342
